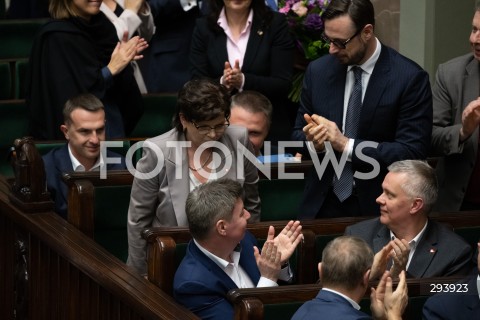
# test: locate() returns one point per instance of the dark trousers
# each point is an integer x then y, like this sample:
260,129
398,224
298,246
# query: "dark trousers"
333,208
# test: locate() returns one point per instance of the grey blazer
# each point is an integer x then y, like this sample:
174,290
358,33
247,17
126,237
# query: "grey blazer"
160,200
457,84
440,252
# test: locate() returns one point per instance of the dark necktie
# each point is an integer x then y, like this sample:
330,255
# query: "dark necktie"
343,186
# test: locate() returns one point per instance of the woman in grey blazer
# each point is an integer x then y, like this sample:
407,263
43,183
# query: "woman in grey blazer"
201,147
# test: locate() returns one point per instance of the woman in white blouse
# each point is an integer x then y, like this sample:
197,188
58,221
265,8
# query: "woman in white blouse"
135,17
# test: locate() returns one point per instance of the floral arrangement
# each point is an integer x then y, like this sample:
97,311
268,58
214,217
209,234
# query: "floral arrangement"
305,22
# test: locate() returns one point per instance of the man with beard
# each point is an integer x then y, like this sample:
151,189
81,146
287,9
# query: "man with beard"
368,105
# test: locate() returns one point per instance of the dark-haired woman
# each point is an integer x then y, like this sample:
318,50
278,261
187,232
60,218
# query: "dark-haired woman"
246,46
202,146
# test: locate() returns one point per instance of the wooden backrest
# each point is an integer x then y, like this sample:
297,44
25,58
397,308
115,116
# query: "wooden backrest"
50,270
163,244
282,302
167,247
82,186
464,223
99,207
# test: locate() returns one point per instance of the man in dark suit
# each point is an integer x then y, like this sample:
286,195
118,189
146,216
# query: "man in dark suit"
223,255
457,305
389,118
345,272
84,128
429,248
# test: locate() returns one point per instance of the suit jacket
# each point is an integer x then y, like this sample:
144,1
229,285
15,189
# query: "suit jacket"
396,113
457,84
57,162
454,306
202,286
329,305
267,64
440,252
164,66
160,201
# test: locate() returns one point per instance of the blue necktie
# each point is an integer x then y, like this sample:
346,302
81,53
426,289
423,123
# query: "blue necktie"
343,186
272,4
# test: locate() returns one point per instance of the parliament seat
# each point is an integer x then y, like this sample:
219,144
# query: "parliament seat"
5,80
157,117
16,41
282,302
21,67
167,247
465,224
280,198
17,36
13,124
281,191
99,207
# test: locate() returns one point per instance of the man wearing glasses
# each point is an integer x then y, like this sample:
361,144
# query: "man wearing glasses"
201,147
366,101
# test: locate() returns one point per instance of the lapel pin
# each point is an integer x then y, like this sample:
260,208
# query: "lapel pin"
260,32
433,250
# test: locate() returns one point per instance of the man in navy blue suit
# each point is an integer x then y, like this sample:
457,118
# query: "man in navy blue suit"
390,117
223,254
456,306
345,272
84,128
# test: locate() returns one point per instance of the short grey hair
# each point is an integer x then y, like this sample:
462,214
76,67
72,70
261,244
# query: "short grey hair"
421,181
210,202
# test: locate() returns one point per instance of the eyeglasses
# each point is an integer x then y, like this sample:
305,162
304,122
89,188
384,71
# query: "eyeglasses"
338,43
219,128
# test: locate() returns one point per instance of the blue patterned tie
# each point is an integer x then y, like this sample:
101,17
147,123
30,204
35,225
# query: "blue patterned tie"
272,4
343,186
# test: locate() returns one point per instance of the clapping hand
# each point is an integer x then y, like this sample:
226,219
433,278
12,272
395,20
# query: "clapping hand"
386,303
287,240
320,129
232,77
268,261
125,52
398,250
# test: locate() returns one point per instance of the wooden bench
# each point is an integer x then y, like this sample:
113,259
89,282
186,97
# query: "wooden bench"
464,223
51,270
282,302
167,247
99,207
